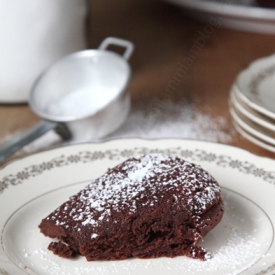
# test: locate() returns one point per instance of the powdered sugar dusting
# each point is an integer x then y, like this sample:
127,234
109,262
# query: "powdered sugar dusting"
142,170
231,258
140,183
172,120
237,243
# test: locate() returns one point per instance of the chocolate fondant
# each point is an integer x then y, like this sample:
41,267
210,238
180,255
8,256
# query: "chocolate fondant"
146,207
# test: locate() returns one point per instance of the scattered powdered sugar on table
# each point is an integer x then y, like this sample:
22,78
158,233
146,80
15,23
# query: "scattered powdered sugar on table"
46,141
174,121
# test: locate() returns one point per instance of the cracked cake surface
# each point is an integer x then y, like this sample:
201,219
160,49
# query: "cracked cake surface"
146,207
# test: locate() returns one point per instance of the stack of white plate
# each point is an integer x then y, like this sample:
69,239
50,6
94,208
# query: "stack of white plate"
252,103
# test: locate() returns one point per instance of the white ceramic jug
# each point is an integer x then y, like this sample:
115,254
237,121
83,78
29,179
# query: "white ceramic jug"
34,34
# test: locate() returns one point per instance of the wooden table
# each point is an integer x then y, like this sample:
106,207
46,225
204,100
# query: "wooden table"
177,61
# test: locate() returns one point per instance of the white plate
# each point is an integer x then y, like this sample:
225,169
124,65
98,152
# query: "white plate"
253,139
251,127
251,114
34,186
235,14
255,86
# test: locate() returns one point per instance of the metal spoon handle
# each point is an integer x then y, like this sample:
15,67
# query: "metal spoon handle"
16,143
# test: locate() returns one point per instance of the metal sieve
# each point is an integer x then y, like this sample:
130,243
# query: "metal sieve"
83,96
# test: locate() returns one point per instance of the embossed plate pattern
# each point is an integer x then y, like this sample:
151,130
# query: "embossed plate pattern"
255,86
33,186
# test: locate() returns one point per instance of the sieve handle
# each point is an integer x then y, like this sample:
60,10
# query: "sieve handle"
129,46
13,145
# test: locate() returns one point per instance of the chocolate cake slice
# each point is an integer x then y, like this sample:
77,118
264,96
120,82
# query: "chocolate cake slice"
145,207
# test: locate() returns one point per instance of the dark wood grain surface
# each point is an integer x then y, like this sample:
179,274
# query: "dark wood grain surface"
177,60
